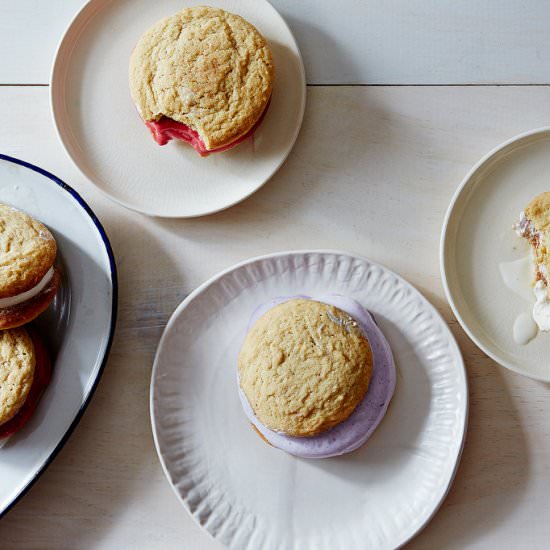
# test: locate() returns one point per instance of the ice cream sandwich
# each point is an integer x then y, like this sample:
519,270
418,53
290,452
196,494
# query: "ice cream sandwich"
25,371
28,276
203,76
534,225
315,376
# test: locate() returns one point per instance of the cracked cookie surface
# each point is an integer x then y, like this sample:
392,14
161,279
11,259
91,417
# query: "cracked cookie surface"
17,365
206,68
304,367
27,251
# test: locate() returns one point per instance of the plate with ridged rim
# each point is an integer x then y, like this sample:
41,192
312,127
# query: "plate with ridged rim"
101,131
249,495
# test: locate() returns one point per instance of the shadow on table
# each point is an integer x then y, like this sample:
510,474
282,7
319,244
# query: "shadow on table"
495,466
399,433
338,67
110,461
341,128
317,179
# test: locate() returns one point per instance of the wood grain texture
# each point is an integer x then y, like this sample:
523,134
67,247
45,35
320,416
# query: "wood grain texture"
355,41
372,173
421,41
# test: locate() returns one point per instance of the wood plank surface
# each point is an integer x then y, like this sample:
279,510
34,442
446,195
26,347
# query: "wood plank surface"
351,42
372,172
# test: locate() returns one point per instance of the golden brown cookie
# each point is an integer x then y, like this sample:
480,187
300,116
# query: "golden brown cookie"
206,68
538,211
535,226
27,251
41,378
17,366
258,433
304,367
25,312
28,278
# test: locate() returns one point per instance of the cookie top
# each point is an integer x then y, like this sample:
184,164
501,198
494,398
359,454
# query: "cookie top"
27,251
17,364
206,68
538,211
304,367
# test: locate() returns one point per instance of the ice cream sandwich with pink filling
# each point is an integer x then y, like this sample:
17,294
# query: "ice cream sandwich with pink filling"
203,76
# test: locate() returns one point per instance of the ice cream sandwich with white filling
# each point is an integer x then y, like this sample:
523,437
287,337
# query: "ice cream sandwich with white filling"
28,276
315,376
534,225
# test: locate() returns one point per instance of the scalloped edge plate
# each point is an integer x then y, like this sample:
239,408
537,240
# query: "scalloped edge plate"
249,495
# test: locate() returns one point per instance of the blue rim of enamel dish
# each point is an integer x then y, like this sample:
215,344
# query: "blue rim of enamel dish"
114,307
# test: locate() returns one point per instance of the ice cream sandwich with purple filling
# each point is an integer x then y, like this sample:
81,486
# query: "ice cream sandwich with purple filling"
315,376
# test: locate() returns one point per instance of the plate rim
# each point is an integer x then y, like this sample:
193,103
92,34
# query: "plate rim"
198,290
114,311
53,90
444,252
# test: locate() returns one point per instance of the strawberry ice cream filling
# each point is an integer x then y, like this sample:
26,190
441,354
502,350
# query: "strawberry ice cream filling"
165,129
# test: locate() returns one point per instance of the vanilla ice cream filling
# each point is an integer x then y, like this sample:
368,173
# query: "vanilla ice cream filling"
541,310
525,228
28,294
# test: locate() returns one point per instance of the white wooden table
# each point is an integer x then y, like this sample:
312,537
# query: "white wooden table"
429,87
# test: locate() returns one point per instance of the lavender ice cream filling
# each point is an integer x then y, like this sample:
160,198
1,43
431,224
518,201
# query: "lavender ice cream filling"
359,426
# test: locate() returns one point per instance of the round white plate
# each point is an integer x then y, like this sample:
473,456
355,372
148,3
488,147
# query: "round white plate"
77,328
249,495
478,236
104,136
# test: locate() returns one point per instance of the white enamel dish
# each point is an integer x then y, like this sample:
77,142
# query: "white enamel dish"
477,238
101,131
77,328
249,495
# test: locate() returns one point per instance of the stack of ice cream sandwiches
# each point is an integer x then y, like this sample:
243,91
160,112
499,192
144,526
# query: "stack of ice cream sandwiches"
29,281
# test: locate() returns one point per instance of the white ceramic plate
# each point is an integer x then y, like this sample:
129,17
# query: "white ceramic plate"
250,495
477,237
103,134
77,327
